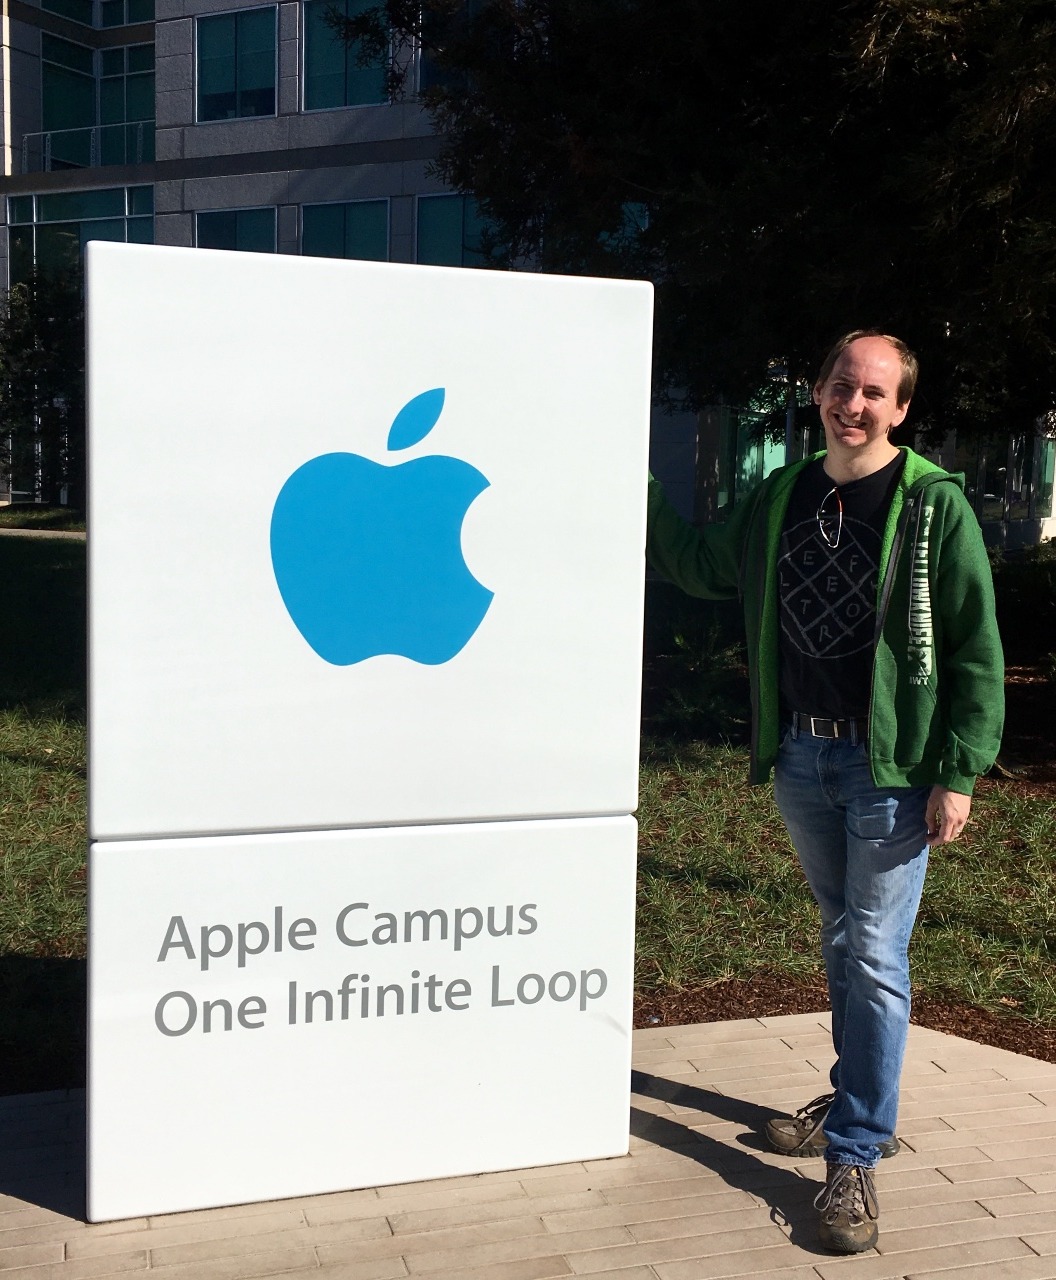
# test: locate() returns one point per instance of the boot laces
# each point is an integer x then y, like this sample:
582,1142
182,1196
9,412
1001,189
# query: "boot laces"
810,1116
849,1190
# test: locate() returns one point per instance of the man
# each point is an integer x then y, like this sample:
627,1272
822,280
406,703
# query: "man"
877,698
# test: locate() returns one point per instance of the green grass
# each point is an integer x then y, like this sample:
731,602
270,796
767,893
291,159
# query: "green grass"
42,813
42,834
721,894
42,747
33,515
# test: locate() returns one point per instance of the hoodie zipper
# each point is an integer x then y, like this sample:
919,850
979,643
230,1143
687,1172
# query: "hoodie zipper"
889,574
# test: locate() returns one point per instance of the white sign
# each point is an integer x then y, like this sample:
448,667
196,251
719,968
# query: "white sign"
280,1015
366,577
366,542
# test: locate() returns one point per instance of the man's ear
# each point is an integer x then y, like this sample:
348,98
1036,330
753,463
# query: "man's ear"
900,416
816,393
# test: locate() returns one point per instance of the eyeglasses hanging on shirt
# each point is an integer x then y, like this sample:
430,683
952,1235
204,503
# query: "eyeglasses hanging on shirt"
830,520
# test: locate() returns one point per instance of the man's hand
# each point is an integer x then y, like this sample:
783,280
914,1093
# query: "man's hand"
946,814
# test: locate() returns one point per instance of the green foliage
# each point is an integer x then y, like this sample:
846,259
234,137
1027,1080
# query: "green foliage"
42,397
42,631
706,687
696,676
795,170
1025,587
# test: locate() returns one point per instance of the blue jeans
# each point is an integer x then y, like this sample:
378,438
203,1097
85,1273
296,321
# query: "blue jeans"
864,851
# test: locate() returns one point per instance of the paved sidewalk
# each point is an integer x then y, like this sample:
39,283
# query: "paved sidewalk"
71,535
972,1196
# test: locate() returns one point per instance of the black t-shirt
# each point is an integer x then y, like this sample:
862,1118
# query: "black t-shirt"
827,571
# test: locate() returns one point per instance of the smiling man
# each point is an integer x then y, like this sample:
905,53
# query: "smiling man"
877,698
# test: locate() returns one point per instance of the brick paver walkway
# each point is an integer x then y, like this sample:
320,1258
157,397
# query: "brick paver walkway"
972,1196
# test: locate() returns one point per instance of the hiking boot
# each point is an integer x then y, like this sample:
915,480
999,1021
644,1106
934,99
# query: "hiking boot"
849,1209
801,1135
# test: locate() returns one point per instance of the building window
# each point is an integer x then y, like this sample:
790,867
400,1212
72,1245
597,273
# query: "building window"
359,229
438,29
236,65
48,233
252,230
67,104
108,13
126,98
450,231
81,11
120,13
96,108
332,74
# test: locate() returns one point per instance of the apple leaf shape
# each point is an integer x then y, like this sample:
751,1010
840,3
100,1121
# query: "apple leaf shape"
416,419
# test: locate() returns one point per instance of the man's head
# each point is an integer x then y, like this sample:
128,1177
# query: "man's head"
863,392
907,382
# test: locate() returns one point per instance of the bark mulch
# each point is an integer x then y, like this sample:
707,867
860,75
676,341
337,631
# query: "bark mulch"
1028,760
765,995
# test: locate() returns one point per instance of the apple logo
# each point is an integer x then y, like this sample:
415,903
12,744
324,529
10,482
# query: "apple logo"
368,557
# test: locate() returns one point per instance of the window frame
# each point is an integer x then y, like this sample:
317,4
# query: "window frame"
35,221
248,208
199,18
318,204
446,195
303,71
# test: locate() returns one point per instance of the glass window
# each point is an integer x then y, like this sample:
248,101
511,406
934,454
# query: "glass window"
449,232
436,30
65,53
1021,458
20,209
77,10
252,230
140,200
118,13
359,229
140,57
1046,468
65,206
236,65
332,74
67,78
126,96
55,228
992,476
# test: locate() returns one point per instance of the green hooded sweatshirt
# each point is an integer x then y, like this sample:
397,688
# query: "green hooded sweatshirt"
937,701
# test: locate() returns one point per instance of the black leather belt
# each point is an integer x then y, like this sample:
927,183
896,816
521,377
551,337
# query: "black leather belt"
819,727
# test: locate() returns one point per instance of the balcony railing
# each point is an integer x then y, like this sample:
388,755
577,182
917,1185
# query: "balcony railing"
101,144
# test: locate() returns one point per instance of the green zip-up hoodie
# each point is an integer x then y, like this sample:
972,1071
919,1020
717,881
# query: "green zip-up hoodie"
937,703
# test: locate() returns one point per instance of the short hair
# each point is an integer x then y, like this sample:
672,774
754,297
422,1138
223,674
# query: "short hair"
907,384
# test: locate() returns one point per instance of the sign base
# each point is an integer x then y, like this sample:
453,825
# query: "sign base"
281,1015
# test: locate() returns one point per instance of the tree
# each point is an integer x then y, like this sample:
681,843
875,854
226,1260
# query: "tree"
783,172
42,401
981,177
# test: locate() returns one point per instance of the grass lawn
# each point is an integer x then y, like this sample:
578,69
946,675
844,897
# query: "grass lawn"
720,893
33,515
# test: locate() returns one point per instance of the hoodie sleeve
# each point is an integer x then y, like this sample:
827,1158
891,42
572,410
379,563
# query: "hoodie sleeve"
703,562
971,658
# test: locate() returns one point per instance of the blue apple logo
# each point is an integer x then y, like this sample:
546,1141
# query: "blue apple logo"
368,558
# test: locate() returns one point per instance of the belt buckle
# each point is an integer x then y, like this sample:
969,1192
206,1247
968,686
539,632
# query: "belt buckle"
835,728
